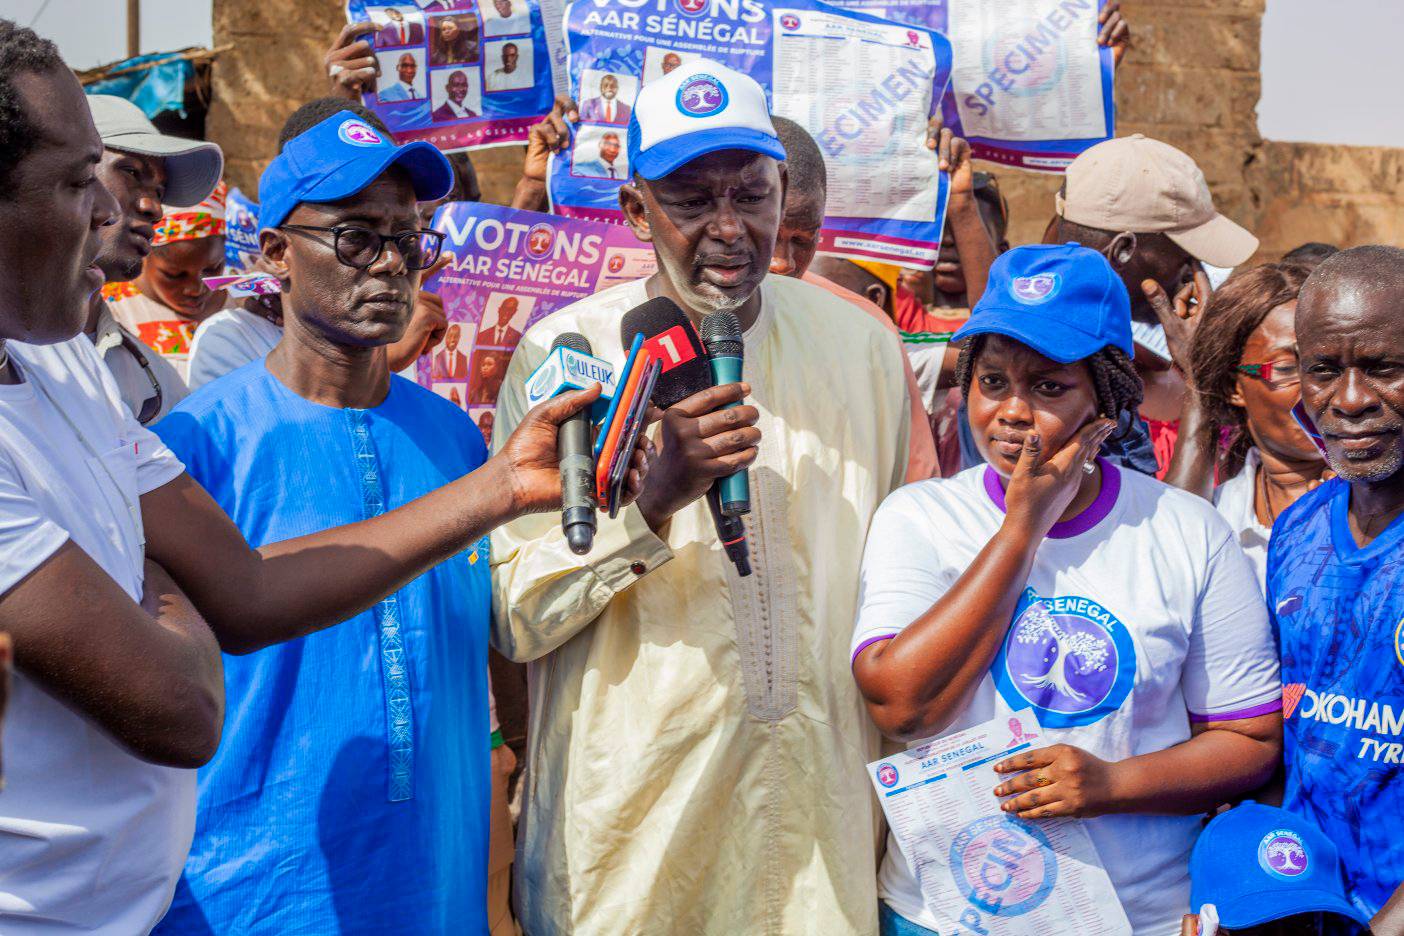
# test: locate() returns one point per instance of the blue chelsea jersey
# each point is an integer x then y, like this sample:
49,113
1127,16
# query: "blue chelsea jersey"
1338,611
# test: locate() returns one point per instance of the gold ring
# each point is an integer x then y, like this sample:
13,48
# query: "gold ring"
1041,780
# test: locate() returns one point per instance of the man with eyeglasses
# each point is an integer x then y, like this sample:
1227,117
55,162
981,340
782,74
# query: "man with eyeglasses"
142,168
351,791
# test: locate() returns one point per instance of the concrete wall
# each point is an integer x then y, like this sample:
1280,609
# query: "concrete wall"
1192,80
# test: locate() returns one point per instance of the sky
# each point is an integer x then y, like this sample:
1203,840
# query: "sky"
1329,69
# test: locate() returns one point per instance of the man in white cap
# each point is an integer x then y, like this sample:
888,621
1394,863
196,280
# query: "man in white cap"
1147,207
698,742
142,168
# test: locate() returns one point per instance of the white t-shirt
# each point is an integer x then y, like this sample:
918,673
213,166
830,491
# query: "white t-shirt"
1154,609
91,838
1235,500
228,340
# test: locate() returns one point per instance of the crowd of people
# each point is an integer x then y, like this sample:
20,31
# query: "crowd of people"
250,571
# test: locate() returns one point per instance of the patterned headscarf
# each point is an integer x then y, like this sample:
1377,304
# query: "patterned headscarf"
204,220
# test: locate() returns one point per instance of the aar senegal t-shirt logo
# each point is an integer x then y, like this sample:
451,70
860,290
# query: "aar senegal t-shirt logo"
1282,854
1068,657
358,133
702,96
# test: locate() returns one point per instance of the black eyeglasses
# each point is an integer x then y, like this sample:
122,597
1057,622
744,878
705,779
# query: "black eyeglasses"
360,247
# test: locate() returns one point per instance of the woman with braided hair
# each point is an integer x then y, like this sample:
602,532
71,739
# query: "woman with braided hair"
1237,420
1119,611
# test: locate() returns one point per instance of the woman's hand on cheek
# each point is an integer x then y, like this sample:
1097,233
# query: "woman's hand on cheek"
1041,488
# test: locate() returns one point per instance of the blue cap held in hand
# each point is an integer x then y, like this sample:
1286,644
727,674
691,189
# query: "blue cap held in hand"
338,158
1063,300
1258,863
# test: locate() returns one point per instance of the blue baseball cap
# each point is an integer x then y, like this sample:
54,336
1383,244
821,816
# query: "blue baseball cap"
339,157
1258,863
1063,300
698,108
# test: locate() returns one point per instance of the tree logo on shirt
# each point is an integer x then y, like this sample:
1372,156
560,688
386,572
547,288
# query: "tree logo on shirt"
1282,854
1068,657
887,774
1003,866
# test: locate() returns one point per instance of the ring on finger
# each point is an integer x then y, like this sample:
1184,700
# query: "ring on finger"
335,70
1041,780
1088,467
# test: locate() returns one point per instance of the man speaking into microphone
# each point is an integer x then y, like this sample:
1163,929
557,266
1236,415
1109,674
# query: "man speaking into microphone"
698,752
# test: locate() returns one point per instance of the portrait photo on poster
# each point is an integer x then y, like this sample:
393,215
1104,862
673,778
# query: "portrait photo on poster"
487,367
509,65
401,75
453,392
448,361
453,39
659,62
599,154
483,417
505,17
504,319
455,94
399,26
607,97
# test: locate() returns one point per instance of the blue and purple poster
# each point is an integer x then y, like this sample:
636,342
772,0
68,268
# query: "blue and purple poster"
511,269
863,86
463,74
1030,87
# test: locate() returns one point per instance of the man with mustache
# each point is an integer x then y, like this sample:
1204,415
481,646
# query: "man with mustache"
1335,573
698,752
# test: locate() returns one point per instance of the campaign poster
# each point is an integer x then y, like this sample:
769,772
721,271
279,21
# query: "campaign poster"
863,86
463,74
240,232
511,269
1030,87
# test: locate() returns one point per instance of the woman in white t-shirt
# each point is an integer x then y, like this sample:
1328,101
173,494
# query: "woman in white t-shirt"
1242,365
1119,610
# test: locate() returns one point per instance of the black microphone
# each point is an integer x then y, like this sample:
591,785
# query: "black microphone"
721,336
575,453
669,335
670,338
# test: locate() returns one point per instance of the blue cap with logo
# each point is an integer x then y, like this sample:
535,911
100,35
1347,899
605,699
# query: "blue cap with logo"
338,158
1258,863
1063,300
698,108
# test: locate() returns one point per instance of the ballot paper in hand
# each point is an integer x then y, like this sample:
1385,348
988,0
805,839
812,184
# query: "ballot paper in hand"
981,870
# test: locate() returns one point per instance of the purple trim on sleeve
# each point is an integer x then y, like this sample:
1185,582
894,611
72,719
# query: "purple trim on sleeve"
1265,708
868,643
1095,513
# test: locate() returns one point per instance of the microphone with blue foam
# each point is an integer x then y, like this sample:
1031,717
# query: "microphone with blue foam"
570,366
721,336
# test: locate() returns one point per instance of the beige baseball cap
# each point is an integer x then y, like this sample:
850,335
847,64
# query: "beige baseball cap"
1145,186
193,167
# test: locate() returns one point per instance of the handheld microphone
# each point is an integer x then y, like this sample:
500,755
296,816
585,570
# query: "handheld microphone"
669,335
721,335
671,339
574,451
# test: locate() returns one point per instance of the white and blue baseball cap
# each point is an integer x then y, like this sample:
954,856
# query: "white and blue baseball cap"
1258,863
698,108
336,159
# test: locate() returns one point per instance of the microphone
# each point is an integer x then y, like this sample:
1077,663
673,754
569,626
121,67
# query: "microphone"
670,338
669,335
721,335
574,451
